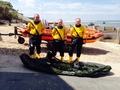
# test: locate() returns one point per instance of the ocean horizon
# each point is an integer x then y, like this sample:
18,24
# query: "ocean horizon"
110,23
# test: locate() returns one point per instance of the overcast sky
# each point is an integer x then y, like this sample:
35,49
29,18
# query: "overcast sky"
68,10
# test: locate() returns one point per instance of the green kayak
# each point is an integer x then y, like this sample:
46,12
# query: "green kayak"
56,66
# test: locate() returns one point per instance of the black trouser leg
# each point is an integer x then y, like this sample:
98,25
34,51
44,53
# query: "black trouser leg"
55,46
38,47
31,44
61,48
31,48
72,46
38,44
34,41
79,46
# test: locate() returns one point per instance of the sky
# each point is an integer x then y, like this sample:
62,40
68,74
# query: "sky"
69,10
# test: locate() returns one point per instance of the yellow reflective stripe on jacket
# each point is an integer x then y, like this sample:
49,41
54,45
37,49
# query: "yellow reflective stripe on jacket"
80,30
39,27
61,32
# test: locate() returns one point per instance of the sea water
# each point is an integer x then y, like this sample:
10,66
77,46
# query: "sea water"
110,23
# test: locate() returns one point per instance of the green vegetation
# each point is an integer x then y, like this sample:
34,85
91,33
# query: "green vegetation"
7,12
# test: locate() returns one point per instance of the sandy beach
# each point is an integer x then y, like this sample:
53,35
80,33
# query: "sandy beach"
106,53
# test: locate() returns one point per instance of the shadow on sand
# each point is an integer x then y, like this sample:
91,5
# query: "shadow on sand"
93,51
